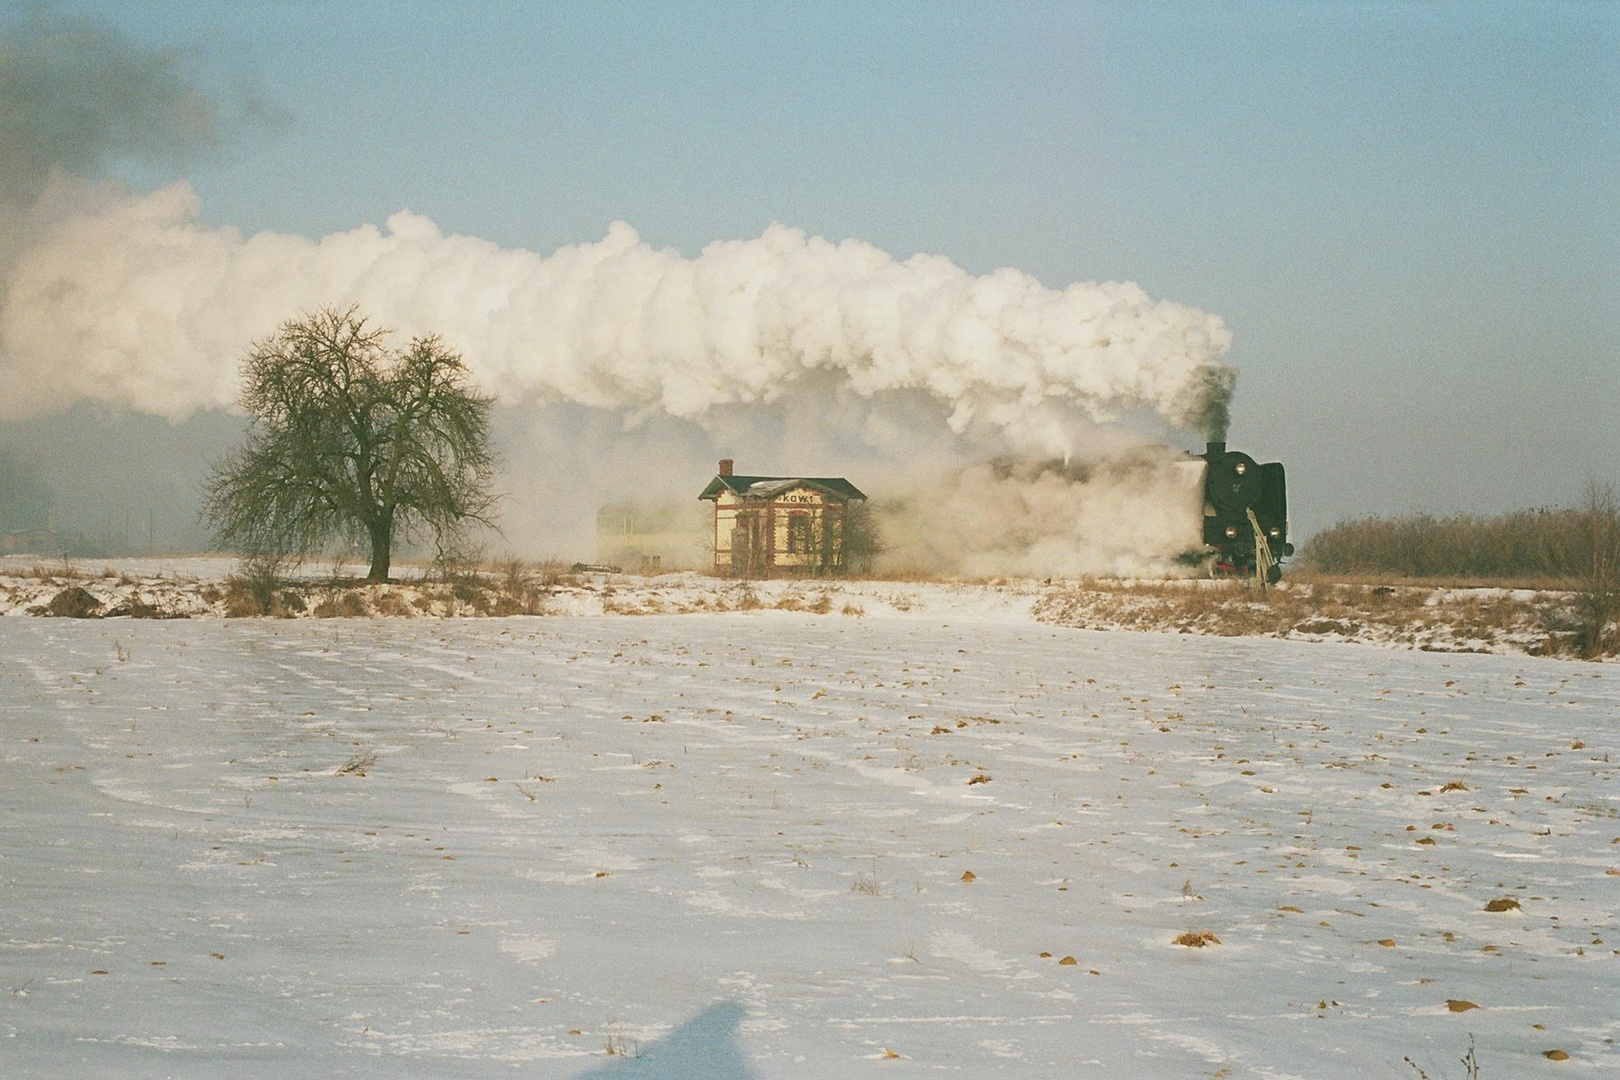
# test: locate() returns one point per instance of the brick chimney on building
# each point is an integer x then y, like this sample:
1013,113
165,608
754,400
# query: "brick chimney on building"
725,466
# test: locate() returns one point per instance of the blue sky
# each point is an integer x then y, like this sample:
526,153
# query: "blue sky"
1408,213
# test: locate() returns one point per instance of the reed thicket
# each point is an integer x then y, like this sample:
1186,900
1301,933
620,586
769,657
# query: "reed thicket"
1522,545
1578,547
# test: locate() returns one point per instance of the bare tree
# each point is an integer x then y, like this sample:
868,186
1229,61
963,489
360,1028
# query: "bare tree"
353,440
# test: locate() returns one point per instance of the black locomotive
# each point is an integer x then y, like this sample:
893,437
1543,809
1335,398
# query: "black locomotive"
1245,513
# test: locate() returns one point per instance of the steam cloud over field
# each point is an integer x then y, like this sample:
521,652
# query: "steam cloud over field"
126,299
800,353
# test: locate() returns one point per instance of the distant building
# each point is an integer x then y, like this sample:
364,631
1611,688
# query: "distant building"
44,539
650,537
767,525
34,542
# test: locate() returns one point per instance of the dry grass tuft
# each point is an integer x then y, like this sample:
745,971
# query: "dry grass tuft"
1470,1060
389,602
617,1044
63,571
358,764
866,885
342,603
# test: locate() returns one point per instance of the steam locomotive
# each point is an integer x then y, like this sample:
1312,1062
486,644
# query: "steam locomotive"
1245,514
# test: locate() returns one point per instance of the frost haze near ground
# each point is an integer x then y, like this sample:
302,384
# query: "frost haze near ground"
770,844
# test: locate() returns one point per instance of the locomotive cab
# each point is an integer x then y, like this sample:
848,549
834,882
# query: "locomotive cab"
1245,512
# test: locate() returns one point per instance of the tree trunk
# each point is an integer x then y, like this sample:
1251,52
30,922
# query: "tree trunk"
382,544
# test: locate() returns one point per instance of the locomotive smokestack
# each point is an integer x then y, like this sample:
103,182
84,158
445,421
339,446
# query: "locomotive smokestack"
1213,451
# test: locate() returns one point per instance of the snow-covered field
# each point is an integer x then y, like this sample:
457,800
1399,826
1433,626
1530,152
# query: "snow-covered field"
940,838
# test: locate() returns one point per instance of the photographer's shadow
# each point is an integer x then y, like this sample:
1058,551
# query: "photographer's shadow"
703,1048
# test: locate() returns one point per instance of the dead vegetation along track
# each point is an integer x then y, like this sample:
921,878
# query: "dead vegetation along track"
1441,616
1452,619
111,594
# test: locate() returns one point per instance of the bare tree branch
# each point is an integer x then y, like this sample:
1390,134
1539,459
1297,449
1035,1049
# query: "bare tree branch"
351,440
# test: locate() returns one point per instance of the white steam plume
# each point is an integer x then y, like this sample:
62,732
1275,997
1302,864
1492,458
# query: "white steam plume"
1130,514
129,300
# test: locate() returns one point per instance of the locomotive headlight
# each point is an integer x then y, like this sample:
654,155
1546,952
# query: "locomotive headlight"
1241,467
1275,533
1231,532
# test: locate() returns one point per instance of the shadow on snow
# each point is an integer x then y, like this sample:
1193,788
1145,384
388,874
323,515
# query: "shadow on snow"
703,1048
